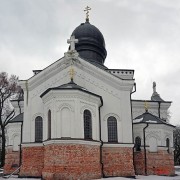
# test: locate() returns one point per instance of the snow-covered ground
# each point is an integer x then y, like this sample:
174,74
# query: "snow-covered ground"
152,177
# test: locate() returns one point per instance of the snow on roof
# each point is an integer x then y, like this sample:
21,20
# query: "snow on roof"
138,120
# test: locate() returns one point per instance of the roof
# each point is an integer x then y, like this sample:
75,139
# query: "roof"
18,118
91,44
139,100
149,118
70,86
156,97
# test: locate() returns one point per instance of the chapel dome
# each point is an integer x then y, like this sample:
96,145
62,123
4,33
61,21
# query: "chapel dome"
91,44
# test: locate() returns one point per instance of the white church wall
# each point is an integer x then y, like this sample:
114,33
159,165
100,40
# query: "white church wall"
69,108
14,135
156,135
153,108
115,94
116,100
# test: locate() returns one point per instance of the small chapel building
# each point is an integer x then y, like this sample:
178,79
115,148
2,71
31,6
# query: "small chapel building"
77,120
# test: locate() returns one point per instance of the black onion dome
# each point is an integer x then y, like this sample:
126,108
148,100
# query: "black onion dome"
91,44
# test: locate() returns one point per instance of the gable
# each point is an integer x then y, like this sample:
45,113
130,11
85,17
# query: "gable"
58,73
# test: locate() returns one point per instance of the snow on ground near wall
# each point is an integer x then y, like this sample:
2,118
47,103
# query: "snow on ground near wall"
152,177
121,178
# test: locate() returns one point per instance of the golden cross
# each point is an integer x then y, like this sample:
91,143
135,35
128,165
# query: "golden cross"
71,73
87,9
146,106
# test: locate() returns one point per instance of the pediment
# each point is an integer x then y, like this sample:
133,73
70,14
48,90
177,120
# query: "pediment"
58,72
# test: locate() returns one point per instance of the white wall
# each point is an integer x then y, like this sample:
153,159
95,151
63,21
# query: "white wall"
156,135
114,91
13,135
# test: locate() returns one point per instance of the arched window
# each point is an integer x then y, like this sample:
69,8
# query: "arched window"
112,129
168,145
38,129
87,125
138,143
49,124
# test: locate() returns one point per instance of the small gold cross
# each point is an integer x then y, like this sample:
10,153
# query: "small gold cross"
71,73
87,9
146,106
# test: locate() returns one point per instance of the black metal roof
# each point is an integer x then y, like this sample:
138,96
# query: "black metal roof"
156,97
91,44
149,118
18,118
70,86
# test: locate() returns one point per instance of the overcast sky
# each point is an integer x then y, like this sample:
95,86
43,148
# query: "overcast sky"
143,35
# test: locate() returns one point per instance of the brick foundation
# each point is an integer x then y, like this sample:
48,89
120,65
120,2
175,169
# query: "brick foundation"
118,161
160,163
68,161
11,161
32,161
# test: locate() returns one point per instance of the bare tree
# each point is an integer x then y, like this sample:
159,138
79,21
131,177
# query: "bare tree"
177,146
8,89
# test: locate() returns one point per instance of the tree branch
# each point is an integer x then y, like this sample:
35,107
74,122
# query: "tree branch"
9,117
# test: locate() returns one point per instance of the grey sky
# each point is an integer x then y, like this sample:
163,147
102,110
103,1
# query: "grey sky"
140,34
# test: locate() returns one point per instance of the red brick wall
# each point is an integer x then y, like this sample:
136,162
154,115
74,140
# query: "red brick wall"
11,161
118,161
67,161
32,161
139,163
160,163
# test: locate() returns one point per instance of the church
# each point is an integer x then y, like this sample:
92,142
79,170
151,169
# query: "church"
77,119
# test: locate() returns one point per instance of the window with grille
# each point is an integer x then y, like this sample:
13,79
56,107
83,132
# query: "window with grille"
87,125
138,143
49,124
112,129
38,129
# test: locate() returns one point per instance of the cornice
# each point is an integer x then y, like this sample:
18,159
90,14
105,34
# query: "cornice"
118,145
72,94
110,79
71,141
65,62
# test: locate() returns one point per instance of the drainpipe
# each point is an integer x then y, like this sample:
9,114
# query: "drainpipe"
21,145
145,158
20,158
159,109
101,161
132,119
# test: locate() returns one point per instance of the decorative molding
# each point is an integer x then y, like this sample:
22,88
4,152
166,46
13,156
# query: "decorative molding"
93,111
138,134
65,105
111,114
169,136
15,134
32,144
36,115
75,142
154,135
118,145
65,95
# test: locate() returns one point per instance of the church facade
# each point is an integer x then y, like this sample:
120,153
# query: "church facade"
77,120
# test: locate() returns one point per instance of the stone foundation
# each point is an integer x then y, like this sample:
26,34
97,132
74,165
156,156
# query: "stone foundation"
11,161
118,161
159,163
70,161
32,161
